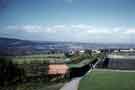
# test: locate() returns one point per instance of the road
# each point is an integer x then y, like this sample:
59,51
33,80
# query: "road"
72,85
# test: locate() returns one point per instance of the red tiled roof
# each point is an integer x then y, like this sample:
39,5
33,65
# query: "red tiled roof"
57,69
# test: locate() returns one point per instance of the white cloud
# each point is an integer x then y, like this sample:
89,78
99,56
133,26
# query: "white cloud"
49,30
31,28
99,31
26,28
59,26
118,29
78,28
130,31
80,32
81,26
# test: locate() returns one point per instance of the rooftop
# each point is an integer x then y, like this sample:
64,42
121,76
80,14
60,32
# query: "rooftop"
54,69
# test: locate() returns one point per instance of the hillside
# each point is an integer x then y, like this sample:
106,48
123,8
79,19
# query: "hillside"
21,47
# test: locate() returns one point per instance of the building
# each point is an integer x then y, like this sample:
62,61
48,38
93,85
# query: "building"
54,69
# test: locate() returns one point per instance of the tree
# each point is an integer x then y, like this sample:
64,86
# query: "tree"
8,71
87,51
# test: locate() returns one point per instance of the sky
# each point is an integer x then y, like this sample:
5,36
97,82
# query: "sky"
94,21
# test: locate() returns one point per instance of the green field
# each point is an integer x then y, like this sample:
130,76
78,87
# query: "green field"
53,58
84,59
39,58
108,80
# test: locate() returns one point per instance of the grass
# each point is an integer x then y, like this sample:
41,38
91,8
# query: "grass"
45,58
44,55
41,58
84,59
108,80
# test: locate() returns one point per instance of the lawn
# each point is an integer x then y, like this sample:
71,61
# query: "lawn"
108,80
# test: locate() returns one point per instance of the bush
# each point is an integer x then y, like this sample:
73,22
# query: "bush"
9,72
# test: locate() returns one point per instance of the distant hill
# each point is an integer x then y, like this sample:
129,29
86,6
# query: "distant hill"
21,47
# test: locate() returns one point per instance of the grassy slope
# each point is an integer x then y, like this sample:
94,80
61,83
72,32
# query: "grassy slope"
107,80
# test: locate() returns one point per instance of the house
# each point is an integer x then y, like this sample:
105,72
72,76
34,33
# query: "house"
58,71
82,51
96,51
127,50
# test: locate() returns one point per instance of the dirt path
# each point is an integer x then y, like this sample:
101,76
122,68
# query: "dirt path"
72,85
